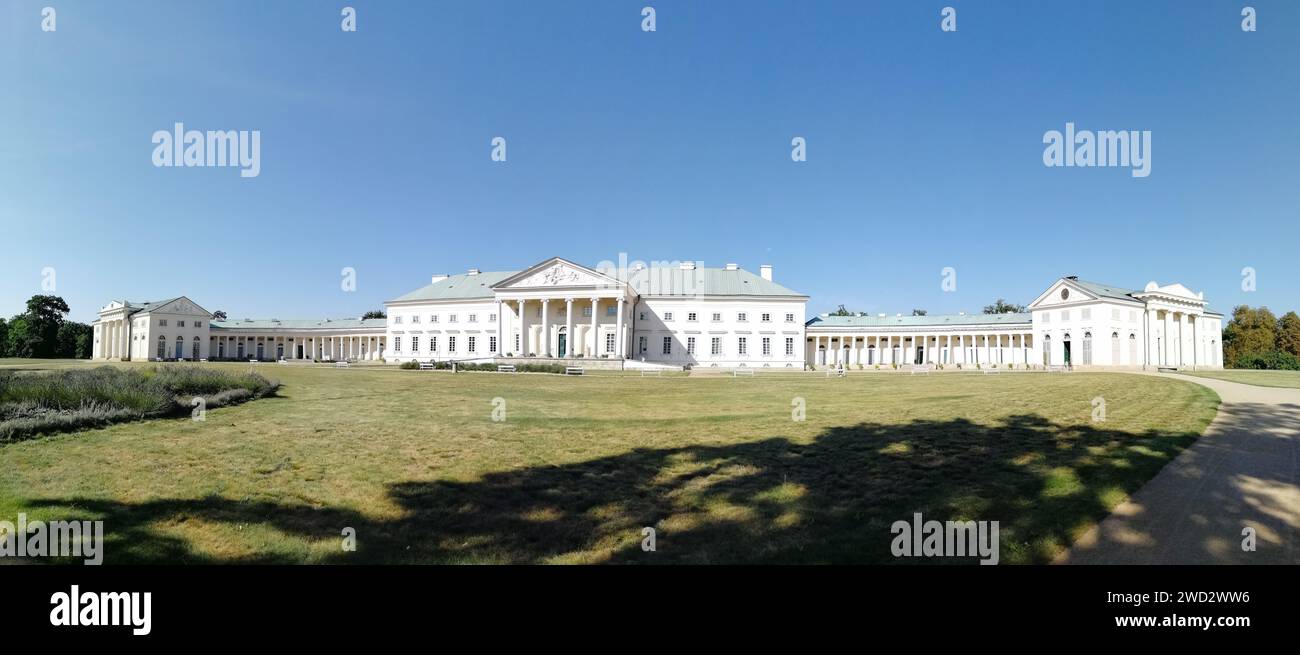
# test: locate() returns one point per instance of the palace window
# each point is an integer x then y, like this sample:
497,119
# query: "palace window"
451,344
611,311
415,318
1065,315
609,342
716,347
492,344
162,322
473,318
765,317
516,343
433,345
641,344
1086,313
1114,313
586,312
415,344
691,316
397,320
742,346
492,318
789,346
767,346
742,317
643,316
180,323
668,316
668,345
397,344
451,318
717,317
433,318
690,345
472,344
789,318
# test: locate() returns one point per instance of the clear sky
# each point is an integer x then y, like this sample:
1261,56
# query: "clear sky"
924,148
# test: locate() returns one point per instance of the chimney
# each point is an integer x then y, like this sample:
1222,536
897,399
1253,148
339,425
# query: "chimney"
765,271
473,271
687,266
732,267
438,278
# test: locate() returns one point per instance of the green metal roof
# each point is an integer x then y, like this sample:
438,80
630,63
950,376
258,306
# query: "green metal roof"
459,287
323,324
702,281
1107,290
920,321
146,306
658,281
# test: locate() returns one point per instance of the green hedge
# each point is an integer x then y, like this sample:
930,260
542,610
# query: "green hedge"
1273,361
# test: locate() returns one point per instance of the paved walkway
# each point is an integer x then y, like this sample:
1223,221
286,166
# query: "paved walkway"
1244,472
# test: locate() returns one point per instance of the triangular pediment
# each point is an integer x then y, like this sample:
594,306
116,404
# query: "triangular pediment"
181,305
1063,292
553,273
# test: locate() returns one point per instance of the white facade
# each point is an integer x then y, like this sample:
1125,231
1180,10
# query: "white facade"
1074,323
685,315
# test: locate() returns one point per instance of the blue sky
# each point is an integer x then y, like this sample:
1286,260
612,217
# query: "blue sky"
924,148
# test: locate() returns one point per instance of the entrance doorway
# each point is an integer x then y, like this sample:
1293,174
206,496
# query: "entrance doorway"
1066,346
564,344
920,355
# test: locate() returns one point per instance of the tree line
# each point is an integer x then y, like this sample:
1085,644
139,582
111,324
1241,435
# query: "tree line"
1255,338
43,331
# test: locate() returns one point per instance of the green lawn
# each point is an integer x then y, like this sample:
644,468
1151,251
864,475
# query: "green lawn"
413,461
1258,378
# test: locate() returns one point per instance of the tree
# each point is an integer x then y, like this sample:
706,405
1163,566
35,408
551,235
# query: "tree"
918,312
842,312
1001,306
1250,333
1288,334
4,338
20,341
74,340
44,318
373,314
218,315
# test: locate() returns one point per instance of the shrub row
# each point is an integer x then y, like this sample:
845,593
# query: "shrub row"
41,403
1274,361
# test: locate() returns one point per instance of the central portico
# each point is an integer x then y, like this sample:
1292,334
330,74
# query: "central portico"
561,309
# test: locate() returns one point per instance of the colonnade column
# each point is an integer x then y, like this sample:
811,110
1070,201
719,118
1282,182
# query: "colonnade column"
523,330
545,350
501,328
568,328
622,340
595,328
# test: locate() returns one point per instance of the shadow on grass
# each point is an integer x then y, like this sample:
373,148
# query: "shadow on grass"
830,499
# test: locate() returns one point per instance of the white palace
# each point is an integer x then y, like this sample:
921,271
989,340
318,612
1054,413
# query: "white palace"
683,315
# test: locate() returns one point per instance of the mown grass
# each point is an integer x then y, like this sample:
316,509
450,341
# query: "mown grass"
1289,379
415,463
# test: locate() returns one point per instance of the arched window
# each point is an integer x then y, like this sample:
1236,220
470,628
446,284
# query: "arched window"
1087,348
1047,349
180,347
162,347
194,350
1114,348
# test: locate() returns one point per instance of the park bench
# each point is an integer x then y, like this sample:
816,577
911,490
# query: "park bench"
573,370
342,364
505,368
651,371
921,368
1057,368
735,373
426,366
203,359
992,370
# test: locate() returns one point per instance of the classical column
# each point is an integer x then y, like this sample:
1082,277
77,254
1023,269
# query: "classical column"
621,339
501,332
1169,332
595,329
568,328
1196,342
523,330
1182,339
545,350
